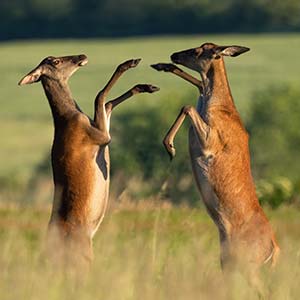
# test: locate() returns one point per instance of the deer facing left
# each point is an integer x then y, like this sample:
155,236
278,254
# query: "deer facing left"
80,155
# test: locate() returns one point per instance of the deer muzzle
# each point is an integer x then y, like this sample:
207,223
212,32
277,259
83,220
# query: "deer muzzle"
82,60
175,57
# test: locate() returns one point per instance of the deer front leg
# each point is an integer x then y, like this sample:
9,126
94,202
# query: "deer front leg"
100,117
139,88
200,126
177,71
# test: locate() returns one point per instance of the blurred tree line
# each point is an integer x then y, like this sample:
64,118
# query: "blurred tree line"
274,127
94,18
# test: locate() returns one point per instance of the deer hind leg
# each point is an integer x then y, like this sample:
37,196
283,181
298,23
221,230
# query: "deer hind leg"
253,276
276,253
254,273
233,272
79,255
201,128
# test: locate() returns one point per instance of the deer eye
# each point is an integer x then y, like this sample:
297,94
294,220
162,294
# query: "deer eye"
198,52
56,62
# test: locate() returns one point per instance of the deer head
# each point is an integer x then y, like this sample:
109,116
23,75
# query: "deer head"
55,68
200,58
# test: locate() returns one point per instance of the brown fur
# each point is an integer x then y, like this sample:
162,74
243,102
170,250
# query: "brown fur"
80,157
220,160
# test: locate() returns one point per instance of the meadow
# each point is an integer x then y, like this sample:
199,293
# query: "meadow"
146,249
151,250
25,119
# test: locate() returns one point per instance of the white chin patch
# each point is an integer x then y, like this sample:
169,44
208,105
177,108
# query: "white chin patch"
83,63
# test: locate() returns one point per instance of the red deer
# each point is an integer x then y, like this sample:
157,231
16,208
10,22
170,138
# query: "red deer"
219,151
80,154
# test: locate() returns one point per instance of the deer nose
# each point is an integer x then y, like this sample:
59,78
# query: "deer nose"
82,60
82,57
175,58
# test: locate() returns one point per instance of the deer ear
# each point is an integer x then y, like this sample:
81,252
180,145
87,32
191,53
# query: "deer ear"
31,77
231,50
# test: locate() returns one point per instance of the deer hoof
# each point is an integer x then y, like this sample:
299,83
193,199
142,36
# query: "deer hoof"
163,67
170,149
132,63
146,88
171,152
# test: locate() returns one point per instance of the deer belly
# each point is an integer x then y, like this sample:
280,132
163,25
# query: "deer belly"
98,198
200,171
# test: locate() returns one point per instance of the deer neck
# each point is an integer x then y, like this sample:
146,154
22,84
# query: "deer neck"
59,97
216,87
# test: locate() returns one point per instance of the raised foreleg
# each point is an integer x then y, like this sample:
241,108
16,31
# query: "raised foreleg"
100,118
201,128
139,88
177,71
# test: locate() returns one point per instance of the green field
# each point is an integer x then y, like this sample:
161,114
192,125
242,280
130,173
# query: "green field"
150,251
147,250
25,120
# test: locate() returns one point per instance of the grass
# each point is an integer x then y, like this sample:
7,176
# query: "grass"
144,251
25,116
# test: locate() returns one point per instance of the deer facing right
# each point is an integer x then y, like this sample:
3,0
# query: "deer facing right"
80,156
219,151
